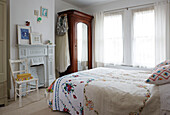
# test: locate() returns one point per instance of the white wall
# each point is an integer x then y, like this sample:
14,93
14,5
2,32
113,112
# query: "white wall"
61,6
117,5
23,10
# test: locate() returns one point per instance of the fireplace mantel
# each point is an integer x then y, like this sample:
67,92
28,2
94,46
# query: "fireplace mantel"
40,62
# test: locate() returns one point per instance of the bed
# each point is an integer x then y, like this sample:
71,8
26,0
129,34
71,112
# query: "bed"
105,91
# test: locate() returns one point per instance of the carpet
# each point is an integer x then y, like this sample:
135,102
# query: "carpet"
31,106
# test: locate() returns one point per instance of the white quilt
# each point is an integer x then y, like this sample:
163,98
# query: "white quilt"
106,91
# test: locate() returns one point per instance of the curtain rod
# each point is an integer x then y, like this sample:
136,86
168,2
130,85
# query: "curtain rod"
128,7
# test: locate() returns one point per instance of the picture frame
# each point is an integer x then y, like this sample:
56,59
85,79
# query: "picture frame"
36,12
44,12
23,34
36,38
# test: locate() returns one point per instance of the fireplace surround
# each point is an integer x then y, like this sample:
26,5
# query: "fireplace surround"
40,62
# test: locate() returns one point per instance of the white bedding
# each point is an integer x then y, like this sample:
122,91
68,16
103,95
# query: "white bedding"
106,91
164,91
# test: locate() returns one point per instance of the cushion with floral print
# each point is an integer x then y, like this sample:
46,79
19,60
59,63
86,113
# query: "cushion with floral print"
166,62
160,76
51,87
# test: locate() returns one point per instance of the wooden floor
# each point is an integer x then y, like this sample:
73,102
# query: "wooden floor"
30,106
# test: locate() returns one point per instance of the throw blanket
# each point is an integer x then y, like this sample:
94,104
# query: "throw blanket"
105,91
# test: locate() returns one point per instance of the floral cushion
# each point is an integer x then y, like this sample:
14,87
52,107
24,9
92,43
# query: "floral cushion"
160,76
24,78
167,62
51,87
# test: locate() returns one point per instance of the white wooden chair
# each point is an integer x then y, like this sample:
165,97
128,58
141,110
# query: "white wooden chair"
18,84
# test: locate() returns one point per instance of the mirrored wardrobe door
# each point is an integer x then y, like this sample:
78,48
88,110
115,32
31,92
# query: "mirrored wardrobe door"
82,46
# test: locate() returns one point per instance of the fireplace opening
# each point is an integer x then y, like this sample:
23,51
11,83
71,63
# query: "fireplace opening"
37,71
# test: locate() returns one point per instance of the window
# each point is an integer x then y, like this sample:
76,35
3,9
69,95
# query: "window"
113,42
140,39
143,41
137,36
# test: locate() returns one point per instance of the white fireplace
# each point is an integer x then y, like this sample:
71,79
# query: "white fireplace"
40,62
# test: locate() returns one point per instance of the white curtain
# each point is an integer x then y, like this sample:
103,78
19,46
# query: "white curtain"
143,38
162,31
99,40
113,40
151,35
108,39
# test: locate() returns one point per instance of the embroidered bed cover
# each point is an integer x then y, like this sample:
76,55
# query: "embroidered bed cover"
106,91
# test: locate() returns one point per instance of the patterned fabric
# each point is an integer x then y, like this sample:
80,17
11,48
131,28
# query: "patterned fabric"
51,87
49,94
68,94
160,76
62,26
105,91
167,62
24,75
24,78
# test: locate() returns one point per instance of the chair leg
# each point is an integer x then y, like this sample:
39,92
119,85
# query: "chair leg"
15,91
37,89
26,88
20,95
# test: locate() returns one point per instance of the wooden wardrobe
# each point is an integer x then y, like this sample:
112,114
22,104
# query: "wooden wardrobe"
74,17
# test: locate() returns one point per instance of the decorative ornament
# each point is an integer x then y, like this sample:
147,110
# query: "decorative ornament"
39,19
27,23
49,42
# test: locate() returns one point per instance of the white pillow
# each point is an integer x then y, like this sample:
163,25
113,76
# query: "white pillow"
160,76
166,62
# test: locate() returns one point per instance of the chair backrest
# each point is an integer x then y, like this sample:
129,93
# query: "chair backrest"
13,72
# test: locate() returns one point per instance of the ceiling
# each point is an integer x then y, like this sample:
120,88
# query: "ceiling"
85,3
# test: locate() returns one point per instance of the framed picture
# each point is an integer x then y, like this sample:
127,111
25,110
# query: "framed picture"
23,34
36,38
44,12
